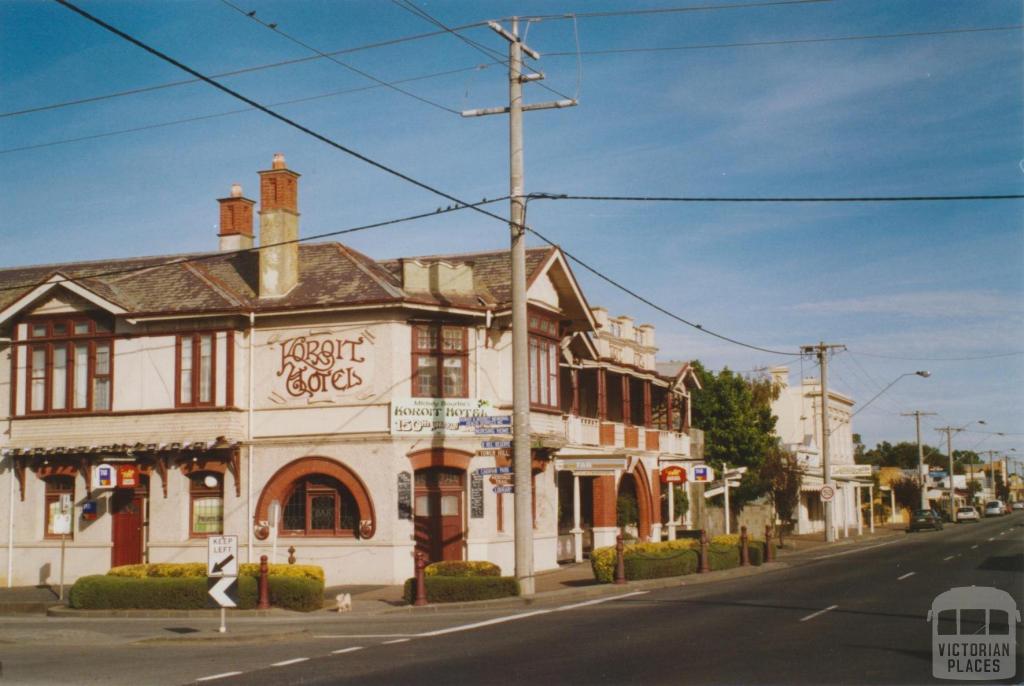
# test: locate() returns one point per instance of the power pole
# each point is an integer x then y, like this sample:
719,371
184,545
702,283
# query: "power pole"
917,414
991,469
822,350
949,431
521,463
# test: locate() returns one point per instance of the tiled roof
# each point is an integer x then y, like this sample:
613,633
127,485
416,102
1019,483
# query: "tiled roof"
329,274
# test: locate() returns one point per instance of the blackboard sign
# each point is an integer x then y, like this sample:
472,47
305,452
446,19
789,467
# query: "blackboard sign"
476,496
404,495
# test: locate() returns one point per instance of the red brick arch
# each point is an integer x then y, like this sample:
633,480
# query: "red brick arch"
440,457
644,505
280,483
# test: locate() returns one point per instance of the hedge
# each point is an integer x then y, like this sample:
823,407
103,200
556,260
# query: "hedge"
198,569
462,568
668,563
454,589
120,592
602,560
723,556
673,558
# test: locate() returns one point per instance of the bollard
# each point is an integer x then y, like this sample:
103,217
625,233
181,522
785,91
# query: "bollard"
620,563
264,601
744,550
705,565
291,554
421,579
768,543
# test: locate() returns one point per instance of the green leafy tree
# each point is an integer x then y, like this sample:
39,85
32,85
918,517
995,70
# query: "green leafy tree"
781,476
1002,490
907,493
735,415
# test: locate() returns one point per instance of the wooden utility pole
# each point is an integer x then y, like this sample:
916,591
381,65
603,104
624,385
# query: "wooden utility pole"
917,414
521,462
822,350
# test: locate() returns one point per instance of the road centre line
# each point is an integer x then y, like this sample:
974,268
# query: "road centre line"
396,640
292,661
905,576
819,612
218,676
992,538
856,550
948,558
346,650
365,635
974,546
598,601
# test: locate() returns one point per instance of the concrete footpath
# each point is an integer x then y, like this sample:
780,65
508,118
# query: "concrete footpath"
569,582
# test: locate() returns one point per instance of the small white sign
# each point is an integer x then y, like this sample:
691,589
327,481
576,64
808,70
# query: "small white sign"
104,476
851,471
827,493
65,503
62,523
222,556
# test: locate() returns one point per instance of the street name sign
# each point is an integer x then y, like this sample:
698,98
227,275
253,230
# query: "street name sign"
851,471
487,420
222,556
492,430
504,489
495,444
223,591
487,471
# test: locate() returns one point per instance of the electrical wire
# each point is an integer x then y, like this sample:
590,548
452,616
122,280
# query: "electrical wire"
671,10
863,198
790,41
234,72
274,27
232,253
941,359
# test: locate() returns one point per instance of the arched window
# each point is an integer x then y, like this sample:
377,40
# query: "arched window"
57,487
319,505
206,497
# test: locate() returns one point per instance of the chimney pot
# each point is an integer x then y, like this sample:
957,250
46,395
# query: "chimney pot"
236,190
278,162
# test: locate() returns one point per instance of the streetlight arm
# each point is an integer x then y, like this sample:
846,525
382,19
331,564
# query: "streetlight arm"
922,374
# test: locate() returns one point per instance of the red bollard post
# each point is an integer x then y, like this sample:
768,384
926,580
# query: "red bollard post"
421,580
705,564
264,601
620,563
744,550
768,557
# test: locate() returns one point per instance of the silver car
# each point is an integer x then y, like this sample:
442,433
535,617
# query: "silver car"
967,514
994,508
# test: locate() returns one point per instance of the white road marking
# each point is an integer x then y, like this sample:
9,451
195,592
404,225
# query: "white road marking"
598,601
364,635
397,640
218,676
346,650
489,622
905,576
856,550
284,663
947,559
974,546
819,612
991,539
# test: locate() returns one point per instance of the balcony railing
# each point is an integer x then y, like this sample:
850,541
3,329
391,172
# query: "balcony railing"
585,431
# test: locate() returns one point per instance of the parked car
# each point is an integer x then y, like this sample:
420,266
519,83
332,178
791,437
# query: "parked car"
967,514
994,508
1019,505
925,519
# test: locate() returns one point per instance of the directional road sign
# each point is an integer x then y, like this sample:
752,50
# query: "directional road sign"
492,430
495,444
223,591
222,556
487,471
504,489
494,420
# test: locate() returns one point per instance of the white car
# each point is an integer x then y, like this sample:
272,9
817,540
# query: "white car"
967,514
994,508
1019,505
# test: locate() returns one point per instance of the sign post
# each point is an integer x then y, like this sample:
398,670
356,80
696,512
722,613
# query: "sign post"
62,526
222,573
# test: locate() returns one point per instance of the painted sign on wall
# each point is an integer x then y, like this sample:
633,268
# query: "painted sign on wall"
436,416
320,364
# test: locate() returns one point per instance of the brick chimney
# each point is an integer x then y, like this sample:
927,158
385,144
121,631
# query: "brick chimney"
279,222
235,221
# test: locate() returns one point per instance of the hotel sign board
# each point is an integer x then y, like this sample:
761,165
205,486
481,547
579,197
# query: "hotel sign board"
437,416
851,471
586,465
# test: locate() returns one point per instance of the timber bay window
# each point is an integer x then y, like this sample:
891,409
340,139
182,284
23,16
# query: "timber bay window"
543,353
196,366
206,498
439,361
70,366
320,505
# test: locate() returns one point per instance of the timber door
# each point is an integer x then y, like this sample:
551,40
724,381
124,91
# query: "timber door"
438,512
127,514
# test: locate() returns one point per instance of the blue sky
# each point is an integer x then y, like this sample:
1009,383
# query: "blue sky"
933,283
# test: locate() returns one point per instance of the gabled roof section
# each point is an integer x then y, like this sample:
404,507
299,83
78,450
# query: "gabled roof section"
26,297
682,375
571,298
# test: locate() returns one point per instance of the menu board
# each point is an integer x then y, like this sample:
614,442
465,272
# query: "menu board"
476,495
404,495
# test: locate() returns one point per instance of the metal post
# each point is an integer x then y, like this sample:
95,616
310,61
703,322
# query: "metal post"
725,485
744,551
952,487
577,530
705,565
63,543
822,351
264,585
421,579
620,562
871,509
671,511
917,414
223,621
768,557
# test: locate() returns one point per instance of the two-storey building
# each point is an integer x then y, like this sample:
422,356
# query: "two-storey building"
304,395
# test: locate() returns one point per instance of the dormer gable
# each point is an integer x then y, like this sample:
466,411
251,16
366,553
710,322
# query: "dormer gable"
58,295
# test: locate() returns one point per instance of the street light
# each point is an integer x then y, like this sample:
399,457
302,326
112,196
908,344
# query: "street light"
922,373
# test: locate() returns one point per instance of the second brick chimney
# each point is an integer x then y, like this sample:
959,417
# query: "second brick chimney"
236,221
279,222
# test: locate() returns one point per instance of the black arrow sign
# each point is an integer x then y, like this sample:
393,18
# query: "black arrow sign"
220,565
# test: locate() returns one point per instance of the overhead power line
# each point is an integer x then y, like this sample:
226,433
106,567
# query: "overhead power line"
274,27
188,120
942,359
860,198
669,10
231,253
790,41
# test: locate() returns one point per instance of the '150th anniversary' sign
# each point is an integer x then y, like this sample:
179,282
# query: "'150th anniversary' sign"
323,364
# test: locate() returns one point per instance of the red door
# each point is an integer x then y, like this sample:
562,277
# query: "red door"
438,513
126,510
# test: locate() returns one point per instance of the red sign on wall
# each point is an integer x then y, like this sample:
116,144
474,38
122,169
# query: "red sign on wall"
673,474
127,476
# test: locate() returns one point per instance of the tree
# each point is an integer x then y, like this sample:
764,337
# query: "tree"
781,476
907,493
736,417
1002,490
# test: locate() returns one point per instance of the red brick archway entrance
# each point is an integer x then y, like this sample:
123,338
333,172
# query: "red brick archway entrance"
439,506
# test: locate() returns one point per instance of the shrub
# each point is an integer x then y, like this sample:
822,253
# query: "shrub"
662,564
198,569
722,556
123,592
314,572
725,539
453,589
602,560
462,568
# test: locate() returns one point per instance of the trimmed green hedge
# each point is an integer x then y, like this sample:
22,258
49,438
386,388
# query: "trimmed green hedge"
197,569
672,558
723,556
454,589
661,564
602,560
462,568
111,592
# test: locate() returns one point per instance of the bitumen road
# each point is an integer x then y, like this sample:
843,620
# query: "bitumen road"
848,614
